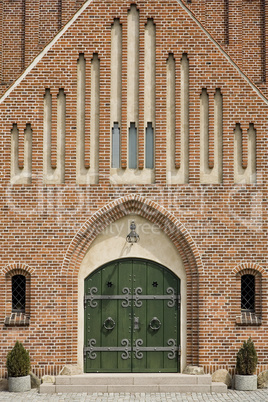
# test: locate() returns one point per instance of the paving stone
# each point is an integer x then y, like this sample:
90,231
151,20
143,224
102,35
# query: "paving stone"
231,395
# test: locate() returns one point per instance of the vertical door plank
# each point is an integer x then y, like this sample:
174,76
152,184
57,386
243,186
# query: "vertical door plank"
93,322
109,309
124,314
171,321
139,281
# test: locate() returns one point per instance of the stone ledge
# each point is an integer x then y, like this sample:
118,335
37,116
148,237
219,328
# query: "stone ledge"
17,320
247,318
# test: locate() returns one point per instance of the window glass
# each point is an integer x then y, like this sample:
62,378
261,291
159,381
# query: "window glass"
18,293
115,146
149,146
132,147
248,293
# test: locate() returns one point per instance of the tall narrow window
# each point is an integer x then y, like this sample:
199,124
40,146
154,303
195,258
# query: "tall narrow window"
132,147
115,146
149,146
18,293
248,293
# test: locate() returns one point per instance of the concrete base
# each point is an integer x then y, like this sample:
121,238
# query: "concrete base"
19,384
245,382
123,382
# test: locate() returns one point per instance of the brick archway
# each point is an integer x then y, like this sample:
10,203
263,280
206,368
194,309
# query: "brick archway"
178,235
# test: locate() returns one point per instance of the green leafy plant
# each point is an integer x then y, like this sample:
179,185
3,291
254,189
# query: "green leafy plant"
246,359
18,361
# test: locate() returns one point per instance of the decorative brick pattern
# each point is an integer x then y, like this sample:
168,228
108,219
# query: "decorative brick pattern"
231,23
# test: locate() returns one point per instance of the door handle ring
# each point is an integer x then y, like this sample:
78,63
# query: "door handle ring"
109,324
155,324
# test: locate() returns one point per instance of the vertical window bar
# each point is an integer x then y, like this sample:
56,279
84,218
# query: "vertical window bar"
132,147
115,146
149,146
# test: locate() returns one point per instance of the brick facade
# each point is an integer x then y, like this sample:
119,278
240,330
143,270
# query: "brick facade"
219,229
28,26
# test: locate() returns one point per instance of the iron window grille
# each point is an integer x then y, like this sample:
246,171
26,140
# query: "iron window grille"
248,293
18,293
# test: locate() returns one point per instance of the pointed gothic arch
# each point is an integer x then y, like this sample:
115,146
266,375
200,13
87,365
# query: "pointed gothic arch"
173,229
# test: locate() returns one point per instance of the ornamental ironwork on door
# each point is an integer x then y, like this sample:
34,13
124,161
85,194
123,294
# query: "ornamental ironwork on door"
132,315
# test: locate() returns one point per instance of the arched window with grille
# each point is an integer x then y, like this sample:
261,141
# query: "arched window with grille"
248,293
249,297
18,293
17,301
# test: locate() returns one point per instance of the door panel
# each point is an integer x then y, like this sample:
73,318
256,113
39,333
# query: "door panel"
100,313
158,321
131,318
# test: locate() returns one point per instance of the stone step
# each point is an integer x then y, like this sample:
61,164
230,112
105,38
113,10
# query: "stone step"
133,379
134,383
197,388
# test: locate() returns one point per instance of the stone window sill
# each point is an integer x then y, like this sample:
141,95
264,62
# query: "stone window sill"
17,320
247,319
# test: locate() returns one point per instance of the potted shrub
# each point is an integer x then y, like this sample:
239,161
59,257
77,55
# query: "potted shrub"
18,369
246,363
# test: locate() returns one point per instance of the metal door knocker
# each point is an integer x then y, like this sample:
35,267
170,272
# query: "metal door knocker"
109,324
155,324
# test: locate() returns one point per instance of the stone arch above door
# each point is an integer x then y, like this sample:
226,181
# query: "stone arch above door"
176,236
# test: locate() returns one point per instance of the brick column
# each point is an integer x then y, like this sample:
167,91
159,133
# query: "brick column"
13,38
235,30
68,8
31,30
265,31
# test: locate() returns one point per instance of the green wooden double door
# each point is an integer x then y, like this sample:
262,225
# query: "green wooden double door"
132,316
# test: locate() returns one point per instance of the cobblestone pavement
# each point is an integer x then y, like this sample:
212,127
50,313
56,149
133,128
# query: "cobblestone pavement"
231,395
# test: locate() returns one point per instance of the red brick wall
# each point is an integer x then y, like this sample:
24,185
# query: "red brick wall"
254,40
32,21
49,20
223,225
217,20
12,39
239,25
26,27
